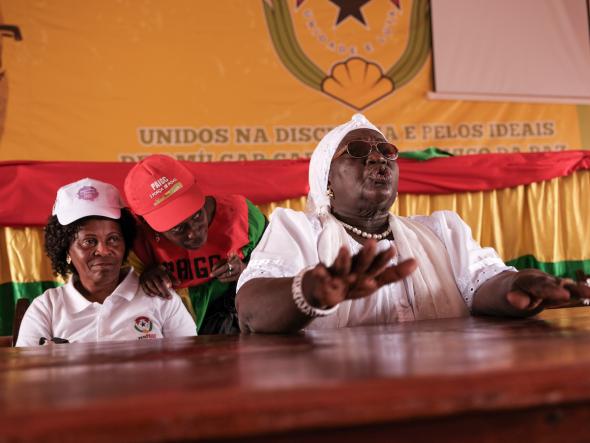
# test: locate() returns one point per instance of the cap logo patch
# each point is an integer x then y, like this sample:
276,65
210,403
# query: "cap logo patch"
168,192
161,185
159,182
87,193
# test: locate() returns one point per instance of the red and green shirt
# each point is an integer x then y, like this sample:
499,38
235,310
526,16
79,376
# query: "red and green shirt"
236,228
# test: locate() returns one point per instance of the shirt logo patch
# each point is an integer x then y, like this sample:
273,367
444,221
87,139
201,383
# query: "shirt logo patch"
143,325
87,193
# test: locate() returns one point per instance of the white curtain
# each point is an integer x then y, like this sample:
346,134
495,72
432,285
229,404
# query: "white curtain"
511,50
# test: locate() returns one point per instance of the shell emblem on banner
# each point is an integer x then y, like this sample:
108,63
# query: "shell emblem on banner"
352,77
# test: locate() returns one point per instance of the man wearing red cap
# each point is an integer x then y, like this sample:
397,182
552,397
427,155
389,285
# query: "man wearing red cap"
195,243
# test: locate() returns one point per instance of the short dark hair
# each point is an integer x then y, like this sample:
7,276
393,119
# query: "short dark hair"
58,239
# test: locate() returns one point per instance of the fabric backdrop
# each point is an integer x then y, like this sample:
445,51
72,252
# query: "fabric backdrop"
531,208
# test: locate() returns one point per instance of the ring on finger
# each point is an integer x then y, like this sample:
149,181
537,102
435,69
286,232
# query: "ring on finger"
229,268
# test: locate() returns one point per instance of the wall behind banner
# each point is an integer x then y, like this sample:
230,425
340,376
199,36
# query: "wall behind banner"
107,80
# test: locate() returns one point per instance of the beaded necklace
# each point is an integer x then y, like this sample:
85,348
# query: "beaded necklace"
364,234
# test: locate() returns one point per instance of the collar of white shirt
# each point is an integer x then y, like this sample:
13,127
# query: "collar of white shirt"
126,289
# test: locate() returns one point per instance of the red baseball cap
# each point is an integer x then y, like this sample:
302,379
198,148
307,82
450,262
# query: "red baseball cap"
163,191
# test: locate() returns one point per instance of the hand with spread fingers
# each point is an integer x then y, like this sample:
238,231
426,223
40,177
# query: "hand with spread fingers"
353,277
229,270
157,281
579,292
533,289
528,292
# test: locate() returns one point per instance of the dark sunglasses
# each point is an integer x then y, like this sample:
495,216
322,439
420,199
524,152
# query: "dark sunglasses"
363,148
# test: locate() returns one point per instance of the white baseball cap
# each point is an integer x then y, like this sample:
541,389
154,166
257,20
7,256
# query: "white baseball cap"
85,198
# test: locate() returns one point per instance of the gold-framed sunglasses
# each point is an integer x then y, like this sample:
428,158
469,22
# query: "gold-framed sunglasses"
363,148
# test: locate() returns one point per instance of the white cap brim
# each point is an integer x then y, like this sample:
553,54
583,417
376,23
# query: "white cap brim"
89,211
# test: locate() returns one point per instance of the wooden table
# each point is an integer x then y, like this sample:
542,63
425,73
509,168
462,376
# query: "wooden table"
472,379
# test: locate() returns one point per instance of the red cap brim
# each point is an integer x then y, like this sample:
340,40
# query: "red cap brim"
176,211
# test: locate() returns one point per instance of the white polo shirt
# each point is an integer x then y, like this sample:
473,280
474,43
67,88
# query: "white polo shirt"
127,314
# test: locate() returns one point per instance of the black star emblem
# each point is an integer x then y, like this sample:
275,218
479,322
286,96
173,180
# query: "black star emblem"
350,8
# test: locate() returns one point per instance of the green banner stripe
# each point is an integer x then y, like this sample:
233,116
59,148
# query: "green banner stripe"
407,74
287,24
407,55
414,45
283,37
11,292
417,46
425,154
285,53
419,54
566,268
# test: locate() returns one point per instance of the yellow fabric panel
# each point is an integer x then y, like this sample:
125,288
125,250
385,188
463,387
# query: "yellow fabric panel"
133,260
561,210
22,256
297,204
186,300
547,220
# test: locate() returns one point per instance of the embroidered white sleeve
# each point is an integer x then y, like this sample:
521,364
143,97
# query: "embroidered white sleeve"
472,265
287,246
267,268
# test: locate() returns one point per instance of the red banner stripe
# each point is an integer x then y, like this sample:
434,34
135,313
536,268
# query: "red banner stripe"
27,189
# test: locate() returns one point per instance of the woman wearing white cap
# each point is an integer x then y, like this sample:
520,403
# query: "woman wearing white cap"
335,265
88,238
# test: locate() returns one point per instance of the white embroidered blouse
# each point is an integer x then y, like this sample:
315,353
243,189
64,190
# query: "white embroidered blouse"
289,244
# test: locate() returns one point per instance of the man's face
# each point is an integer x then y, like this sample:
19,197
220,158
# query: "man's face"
190,233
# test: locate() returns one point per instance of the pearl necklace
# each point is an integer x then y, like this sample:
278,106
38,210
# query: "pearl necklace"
364,234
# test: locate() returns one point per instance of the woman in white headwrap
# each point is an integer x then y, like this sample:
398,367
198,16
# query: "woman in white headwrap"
347,261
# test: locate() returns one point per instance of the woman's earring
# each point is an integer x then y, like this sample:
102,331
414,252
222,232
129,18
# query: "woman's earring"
68,259
157,237
330,193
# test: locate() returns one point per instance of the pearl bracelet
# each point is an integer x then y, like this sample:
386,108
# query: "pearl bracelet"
302,303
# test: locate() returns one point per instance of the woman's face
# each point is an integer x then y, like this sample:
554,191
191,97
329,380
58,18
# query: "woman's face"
192,232
362,186
97,251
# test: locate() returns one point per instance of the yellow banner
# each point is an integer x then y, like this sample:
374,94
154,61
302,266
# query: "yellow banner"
108,80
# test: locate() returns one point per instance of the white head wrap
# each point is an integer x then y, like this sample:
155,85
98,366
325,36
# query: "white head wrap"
321,159
333,235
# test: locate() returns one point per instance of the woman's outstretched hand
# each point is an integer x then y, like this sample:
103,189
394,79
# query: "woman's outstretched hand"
352,277
534,289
